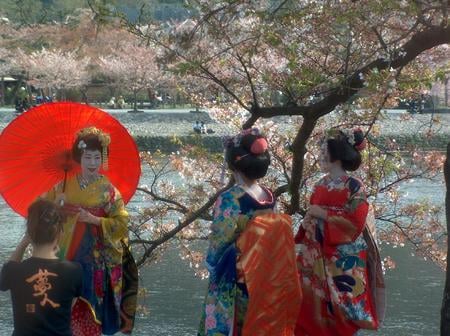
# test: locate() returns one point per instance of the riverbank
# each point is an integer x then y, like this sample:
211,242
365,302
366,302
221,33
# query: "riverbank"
165,130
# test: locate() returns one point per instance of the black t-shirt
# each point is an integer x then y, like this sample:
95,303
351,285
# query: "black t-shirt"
42,291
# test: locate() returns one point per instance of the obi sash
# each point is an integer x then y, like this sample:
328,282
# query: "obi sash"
267,262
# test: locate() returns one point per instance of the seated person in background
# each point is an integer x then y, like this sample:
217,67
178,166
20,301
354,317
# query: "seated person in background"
121,103
203,128
197,128
112,103
42,287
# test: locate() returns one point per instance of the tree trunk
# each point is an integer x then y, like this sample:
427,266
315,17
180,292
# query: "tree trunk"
446,91
135,101
2,92
30,94
445,311
299,149
84,96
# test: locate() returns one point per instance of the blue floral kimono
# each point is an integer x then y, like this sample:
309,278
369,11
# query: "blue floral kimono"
227,297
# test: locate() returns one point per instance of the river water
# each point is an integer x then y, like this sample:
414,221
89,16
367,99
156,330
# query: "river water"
414,288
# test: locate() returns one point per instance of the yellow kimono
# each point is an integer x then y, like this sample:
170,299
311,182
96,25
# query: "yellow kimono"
99,251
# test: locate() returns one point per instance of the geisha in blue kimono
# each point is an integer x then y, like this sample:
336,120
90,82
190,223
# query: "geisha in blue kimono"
244,233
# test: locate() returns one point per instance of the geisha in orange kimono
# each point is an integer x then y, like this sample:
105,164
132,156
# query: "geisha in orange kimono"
253,285
339,263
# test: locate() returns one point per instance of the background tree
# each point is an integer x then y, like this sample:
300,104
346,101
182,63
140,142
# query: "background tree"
348,58
54,69
133,67
6,69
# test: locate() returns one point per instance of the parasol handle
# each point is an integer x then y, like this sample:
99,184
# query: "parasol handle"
61,203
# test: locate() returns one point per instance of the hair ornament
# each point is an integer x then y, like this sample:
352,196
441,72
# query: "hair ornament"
239,158
82,145
362,145
259,146
350,136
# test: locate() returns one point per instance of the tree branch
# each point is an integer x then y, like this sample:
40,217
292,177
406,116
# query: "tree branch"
193,216
419,42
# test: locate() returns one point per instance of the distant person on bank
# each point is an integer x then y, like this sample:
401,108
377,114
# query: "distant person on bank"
120,103
42,287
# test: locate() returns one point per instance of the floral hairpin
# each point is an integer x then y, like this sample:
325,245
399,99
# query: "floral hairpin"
349,136
82,145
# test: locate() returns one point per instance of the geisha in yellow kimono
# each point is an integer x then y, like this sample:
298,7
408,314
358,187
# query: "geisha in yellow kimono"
94,230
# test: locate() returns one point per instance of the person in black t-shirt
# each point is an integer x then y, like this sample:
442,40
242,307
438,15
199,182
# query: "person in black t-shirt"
42,287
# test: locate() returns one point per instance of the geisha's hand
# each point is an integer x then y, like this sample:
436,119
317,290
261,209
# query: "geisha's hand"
306,220
71,210
318,212
87,217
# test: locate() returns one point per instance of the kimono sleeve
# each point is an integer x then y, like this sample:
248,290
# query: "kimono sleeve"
344,226
115,225
224,227
301,230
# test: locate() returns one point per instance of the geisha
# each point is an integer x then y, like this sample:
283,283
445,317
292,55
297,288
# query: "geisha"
336,249
253,284
93,236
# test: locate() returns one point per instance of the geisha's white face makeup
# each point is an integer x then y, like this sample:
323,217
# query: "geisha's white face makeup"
91,160
324,158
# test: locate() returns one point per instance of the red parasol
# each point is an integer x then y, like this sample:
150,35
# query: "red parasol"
35,152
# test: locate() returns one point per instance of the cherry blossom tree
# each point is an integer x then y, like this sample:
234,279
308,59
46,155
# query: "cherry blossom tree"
5,62
309,62
6,68
309,66
54,69
133,67
341,60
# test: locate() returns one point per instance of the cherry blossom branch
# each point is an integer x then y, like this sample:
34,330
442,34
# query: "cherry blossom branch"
190,218
211,14
419,42
249,79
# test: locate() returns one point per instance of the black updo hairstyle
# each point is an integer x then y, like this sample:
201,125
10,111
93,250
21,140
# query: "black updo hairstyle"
240,158
340,148
92,143
44,222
